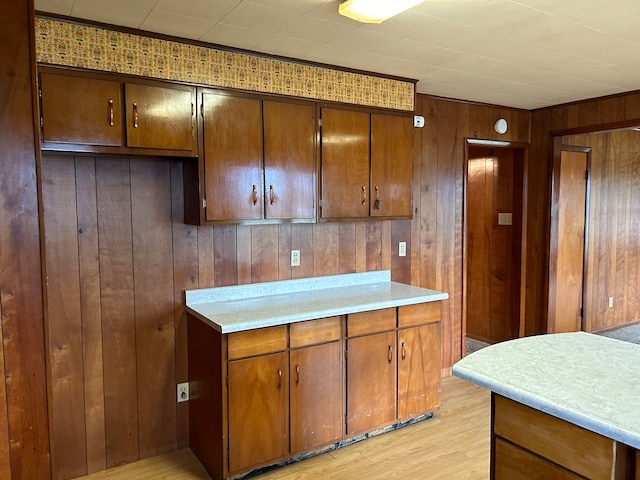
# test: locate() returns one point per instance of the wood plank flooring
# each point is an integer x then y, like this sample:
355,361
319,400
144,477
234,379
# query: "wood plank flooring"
452,445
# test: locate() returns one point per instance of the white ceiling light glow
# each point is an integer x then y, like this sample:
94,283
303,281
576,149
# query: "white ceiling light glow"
375,11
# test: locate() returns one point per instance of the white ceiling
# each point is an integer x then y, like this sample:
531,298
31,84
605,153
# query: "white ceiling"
517,53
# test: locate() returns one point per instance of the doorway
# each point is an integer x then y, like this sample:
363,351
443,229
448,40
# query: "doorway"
494,241
567,240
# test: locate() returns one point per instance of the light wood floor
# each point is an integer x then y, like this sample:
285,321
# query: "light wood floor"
452,445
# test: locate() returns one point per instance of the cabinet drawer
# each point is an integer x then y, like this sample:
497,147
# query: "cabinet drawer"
514,463
532,429
314,331
363,323
417,314
257,342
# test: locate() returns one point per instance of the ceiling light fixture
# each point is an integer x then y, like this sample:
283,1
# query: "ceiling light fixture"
374,11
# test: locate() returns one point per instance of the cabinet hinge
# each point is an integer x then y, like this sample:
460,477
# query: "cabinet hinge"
202,110
204,203
41,121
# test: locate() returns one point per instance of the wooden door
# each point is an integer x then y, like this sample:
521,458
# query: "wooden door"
232,153
418,370
316,396
391,165
371,382
493,234
160,117
289,160
81,110
258,417
566,249
344,164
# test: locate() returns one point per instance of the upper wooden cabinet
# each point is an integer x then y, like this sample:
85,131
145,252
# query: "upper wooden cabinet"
102,113
257,161
366,165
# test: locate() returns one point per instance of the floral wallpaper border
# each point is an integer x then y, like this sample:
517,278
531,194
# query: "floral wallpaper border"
71,44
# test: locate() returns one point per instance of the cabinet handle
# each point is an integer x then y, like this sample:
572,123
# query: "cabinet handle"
390,353
364,195
135,115
254,194
271,194
378,202
297,374
279,379
404,351
111,112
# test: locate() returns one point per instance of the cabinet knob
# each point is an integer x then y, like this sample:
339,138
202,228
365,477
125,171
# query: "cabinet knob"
390,358
297,374
364,195
271,195
279,379
378,202
404,350
254,194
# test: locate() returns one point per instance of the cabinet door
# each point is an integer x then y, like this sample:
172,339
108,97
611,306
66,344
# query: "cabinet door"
81,110
160,117
371,382
345,164
391,165
316,396
289,160
232,130
258,426
418,370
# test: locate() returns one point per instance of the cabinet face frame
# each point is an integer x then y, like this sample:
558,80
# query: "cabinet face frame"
185,149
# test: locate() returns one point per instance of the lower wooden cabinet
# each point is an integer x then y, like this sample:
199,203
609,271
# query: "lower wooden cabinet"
258,416
529,444
263,396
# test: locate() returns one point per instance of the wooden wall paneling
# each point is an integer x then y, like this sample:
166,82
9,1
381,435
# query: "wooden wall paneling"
225,256
63,319
559,118
361,246
608,224
416,191
385,245
588,113
284,252
446,220
374,245
264,253
611,109
25,399
326,249
5,453
206,258
632,106
302,239
87,211
633,279
347,245
185,277
428,185
118,307
243,253
620,145
400,266
154,307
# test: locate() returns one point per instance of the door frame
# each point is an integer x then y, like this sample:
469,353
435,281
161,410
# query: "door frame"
558,148
488,144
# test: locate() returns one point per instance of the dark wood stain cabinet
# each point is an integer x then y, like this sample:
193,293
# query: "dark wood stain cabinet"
366,165
267,395
90,112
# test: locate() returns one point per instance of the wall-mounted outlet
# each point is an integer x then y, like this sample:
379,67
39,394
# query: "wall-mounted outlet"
295,258
610,302
402,249
183,392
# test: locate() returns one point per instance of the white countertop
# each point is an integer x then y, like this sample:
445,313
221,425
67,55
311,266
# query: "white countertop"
586,379
266,304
